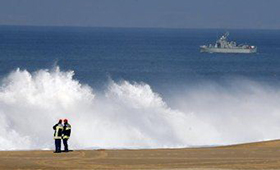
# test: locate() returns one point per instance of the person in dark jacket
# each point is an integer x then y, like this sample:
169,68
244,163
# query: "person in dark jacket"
66,134
58,130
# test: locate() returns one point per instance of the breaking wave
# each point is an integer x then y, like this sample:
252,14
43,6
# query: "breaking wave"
131,115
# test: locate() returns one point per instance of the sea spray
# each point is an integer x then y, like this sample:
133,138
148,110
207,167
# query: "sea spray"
32,103
131,114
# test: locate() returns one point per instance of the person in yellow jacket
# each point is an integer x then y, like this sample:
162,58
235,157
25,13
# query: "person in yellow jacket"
58,130
66,134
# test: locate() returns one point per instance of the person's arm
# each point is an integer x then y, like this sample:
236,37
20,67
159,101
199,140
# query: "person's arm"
54,127
70,131
63,130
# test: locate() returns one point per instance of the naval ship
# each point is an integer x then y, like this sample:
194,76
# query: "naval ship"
223,46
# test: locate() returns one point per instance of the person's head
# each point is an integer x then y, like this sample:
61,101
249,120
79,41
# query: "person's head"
60,121
65,121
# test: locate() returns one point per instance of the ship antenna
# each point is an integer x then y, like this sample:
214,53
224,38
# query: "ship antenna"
227,34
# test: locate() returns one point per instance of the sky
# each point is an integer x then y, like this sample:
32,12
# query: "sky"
235,14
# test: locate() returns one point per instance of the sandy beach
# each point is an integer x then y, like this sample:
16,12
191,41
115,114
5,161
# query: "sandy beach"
261,155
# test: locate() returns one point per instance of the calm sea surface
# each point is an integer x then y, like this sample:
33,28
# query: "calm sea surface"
162,58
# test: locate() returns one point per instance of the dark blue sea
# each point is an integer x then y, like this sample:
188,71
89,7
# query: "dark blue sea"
140,87
158,57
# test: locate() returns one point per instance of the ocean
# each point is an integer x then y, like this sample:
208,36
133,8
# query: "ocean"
136,87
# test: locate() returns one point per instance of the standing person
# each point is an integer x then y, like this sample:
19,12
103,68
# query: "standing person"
66,134
58,129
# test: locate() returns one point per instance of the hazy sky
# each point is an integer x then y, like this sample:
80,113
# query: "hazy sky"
260,14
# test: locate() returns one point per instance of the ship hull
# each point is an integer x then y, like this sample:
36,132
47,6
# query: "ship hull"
228,50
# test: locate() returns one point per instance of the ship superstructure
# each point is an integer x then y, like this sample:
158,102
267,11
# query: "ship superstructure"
224,46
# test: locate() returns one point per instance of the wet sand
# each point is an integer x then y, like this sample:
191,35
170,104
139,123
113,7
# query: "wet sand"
262,155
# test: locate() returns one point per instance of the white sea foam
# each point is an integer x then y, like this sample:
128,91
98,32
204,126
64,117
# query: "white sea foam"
132,115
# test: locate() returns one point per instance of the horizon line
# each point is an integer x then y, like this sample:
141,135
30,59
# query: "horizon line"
123,27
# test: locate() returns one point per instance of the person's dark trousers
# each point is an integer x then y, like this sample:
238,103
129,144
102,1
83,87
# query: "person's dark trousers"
57,145
65,145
